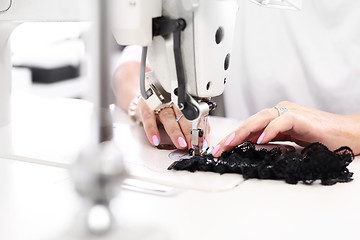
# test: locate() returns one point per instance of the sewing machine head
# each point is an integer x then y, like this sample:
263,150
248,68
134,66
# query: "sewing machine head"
189,44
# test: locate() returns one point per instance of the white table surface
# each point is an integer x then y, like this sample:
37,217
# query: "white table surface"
38,202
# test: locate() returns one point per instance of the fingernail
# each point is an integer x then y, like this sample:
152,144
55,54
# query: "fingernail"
155,140
229,140
205,144
192,146
215,150
261,138
182,142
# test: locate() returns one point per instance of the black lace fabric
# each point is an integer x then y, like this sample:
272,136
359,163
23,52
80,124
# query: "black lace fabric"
315,162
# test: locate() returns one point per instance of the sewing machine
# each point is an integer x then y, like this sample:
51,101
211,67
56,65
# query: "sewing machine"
190,43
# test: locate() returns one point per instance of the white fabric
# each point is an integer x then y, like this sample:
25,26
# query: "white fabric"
310,57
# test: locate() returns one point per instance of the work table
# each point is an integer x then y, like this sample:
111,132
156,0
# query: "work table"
38,200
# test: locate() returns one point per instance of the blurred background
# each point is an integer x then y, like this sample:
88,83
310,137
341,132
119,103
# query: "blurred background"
49,59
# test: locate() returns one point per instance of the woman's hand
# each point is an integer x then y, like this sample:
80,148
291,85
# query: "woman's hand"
301,124
178,131
126,87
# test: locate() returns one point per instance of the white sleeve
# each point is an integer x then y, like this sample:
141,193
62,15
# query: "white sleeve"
130,53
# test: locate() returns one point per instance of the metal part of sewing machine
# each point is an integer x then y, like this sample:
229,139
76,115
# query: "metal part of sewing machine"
189,43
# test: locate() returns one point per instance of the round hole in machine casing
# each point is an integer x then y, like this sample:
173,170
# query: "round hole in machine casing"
219,35
227,62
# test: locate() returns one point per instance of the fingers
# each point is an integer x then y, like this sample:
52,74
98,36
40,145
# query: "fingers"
289,121
185,126
290,127
250,128
167,117
148,119
179,132
278,126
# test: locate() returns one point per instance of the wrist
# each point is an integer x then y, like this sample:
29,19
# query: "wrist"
353,132
132,109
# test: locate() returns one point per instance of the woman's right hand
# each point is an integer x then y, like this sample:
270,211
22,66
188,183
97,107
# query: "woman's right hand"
126,87
178,131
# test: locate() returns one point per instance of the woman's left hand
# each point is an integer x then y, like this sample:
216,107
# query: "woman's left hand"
300,124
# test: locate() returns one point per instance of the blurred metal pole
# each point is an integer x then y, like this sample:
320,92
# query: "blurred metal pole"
99,170
103,49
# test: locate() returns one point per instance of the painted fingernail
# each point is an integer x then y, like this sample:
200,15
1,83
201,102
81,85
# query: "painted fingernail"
261,138
215,150
155,140
205,144
182,142
229,140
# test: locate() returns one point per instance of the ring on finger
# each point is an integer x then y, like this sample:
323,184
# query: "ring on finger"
179,117
281,110
167,105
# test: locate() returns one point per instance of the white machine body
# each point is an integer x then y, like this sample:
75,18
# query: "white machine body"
206,41
132,24
204,54
5,5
